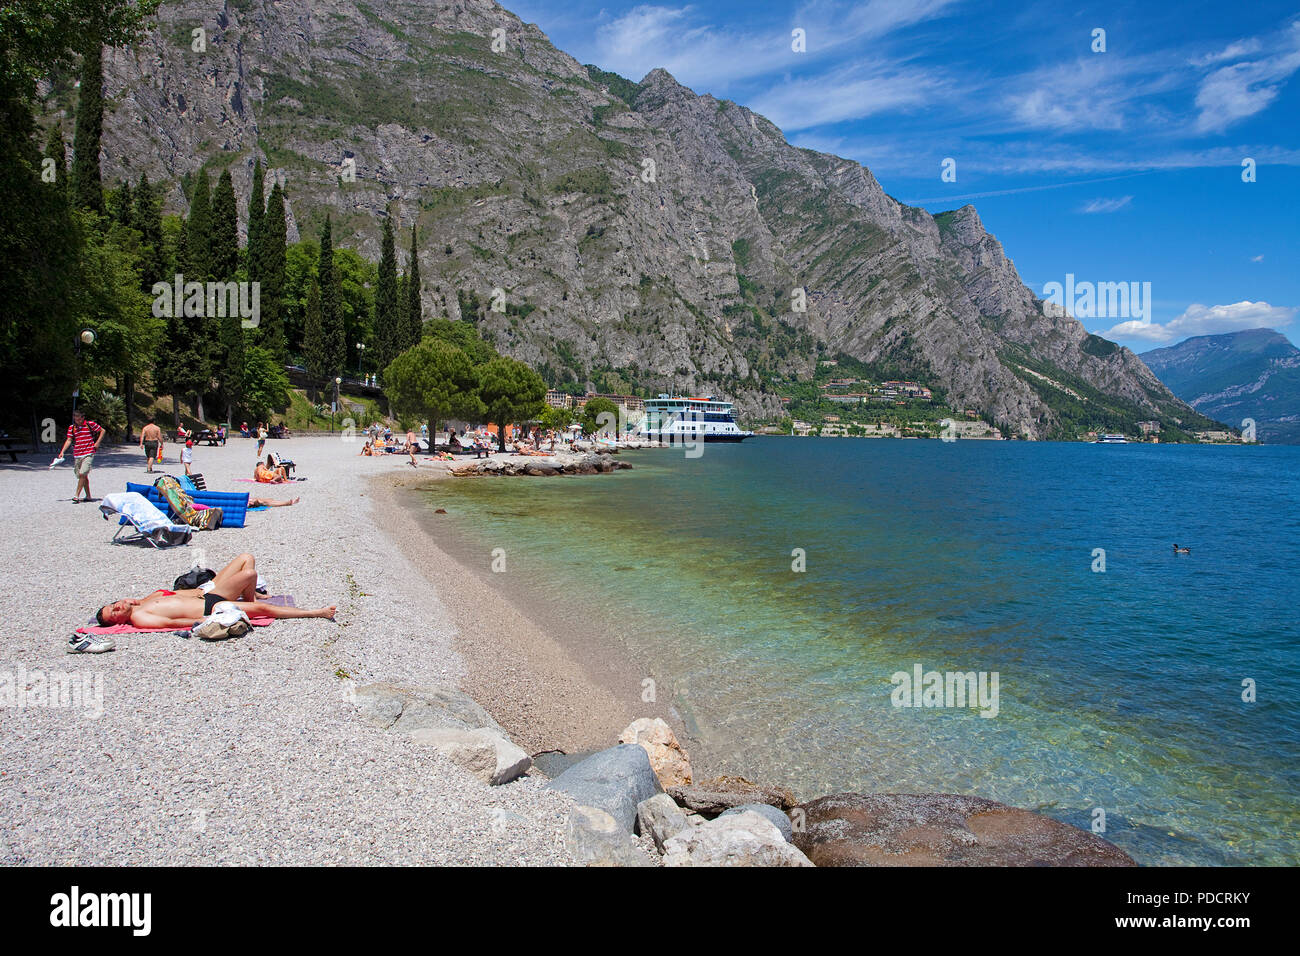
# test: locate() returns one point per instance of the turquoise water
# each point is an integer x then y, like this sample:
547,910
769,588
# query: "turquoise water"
1120,690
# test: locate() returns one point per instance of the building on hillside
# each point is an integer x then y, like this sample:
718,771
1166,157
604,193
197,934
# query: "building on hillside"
1149,428
558,399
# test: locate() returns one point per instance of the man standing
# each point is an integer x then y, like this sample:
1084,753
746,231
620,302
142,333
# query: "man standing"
85,438
150,438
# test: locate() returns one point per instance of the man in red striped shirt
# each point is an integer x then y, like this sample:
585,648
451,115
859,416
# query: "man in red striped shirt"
84,437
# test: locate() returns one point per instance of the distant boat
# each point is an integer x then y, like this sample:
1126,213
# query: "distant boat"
678,420
1111,440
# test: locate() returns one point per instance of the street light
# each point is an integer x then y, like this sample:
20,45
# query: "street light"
334,411
361,347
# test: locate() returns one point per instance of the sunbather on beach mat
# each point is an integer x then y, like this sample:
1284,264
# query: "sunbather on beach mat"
236,583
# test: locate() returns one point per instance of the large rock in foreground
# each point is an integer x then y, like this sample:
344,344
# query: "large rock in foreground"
939,829
594,838
712,797
613,780
487,754
672,765
733,839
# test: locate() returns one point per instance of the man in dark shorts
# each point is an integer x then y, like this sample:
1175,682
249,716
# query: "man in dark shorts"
236,582
150,440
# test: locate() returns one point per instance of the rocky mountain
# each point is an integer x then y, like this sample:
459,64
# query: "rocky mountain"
624,234
1235,376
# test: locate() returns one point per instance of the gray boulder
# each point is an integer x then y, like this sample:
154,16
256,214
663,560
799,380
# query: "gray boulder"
614,780
488,754
660,819
779,819
733,839
594,838
406,709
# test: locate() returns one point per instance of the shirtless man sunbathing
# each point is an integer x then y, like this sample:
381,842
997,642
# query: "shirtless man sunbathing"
236,582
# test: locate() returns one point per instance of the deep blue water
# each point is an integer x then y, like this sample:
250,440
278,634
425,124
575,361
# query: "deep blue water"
1120,690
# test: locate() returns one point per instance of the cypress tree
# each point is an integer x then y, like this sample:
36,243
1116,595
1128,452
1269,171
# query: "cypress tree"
256,217
120,204
88,191
146,219
314,357
413,315
333,342
224,231
271,255
386,313
197,232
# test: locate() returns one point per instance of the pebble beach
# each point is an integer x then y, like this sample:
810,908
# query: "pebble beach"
249,751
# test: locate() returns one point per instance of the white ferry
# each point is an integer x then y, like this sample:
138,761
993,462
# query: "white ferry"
1111,440
671,419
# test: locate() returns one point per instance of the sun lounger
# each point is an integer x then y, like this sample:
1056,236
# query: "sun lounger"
135,511
233,504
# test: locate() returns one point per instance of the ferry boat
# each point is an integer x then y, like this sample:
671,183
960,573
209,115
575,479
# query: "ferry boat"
1111,440
672,419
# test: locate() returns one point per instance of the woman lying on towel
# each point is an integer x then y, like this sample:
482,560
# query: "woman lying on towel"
270,473
236,582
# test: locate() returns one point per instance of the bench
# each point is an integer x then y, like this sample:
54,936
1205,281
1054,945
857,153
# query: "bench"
14,447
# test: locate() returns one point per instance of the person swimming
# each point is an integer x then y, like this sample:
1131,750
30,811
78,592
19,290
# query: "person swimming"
1178,550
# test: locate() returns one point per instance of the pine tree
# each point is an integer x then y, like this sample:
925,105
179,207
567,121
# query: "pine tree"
386,315
120,204
256,218
270,271
413,315
88,191
333,342
195,337
228,328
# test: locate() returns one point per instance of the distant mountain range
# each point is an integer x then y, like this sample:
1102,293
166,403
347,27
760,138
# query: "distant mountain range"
1235,376
620,234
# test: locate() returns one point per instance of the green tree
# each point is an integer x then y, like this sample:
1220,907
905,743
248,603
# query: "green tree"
386,315
464,335
314,355
412,314
87,187
594,412
228,329
433,381
333,344
556,419
266,387
223,231
146,219
511,393
198,232
271,273
256,218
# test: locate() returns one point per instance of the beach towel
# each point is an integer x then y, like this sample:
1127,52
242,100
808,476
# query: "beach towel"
182,505
150,524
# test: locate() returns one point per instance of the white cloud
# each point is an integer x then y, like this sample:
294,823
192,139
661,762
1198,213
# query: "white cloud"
1105,205
1258,258
848,94
1206,320
1237,91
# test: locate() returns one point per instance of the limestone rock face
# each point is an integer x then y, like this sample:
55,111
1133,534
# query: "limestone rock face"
488,754
614,780
672,765
734,839
935,829
523,172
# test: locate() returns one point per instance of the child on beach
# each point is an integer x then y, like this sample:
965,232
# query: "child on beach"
187,455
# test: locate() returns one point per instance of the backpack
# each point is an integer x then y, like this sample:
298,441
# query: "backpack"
193,578
182,505
226,620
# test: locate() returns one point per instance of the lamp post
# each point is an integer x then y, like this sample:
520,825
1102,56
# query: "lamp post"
87,336
334,410
361,347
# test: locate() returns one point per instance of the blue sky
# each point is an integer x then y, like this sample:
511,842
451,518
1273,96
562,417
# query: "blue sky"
1115,166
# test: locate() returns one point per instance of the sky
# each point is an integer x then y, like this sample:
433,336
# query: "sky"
1112,157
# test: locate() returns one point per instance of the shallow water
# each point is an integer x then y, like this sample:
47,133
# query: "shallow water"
1119,690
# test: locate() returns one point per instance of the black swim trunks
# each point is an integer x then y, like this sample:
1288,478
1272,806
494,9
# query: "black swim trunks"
211,600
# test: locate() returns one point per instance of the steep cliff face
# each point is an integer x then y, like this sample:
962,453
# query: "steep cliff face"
635,234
